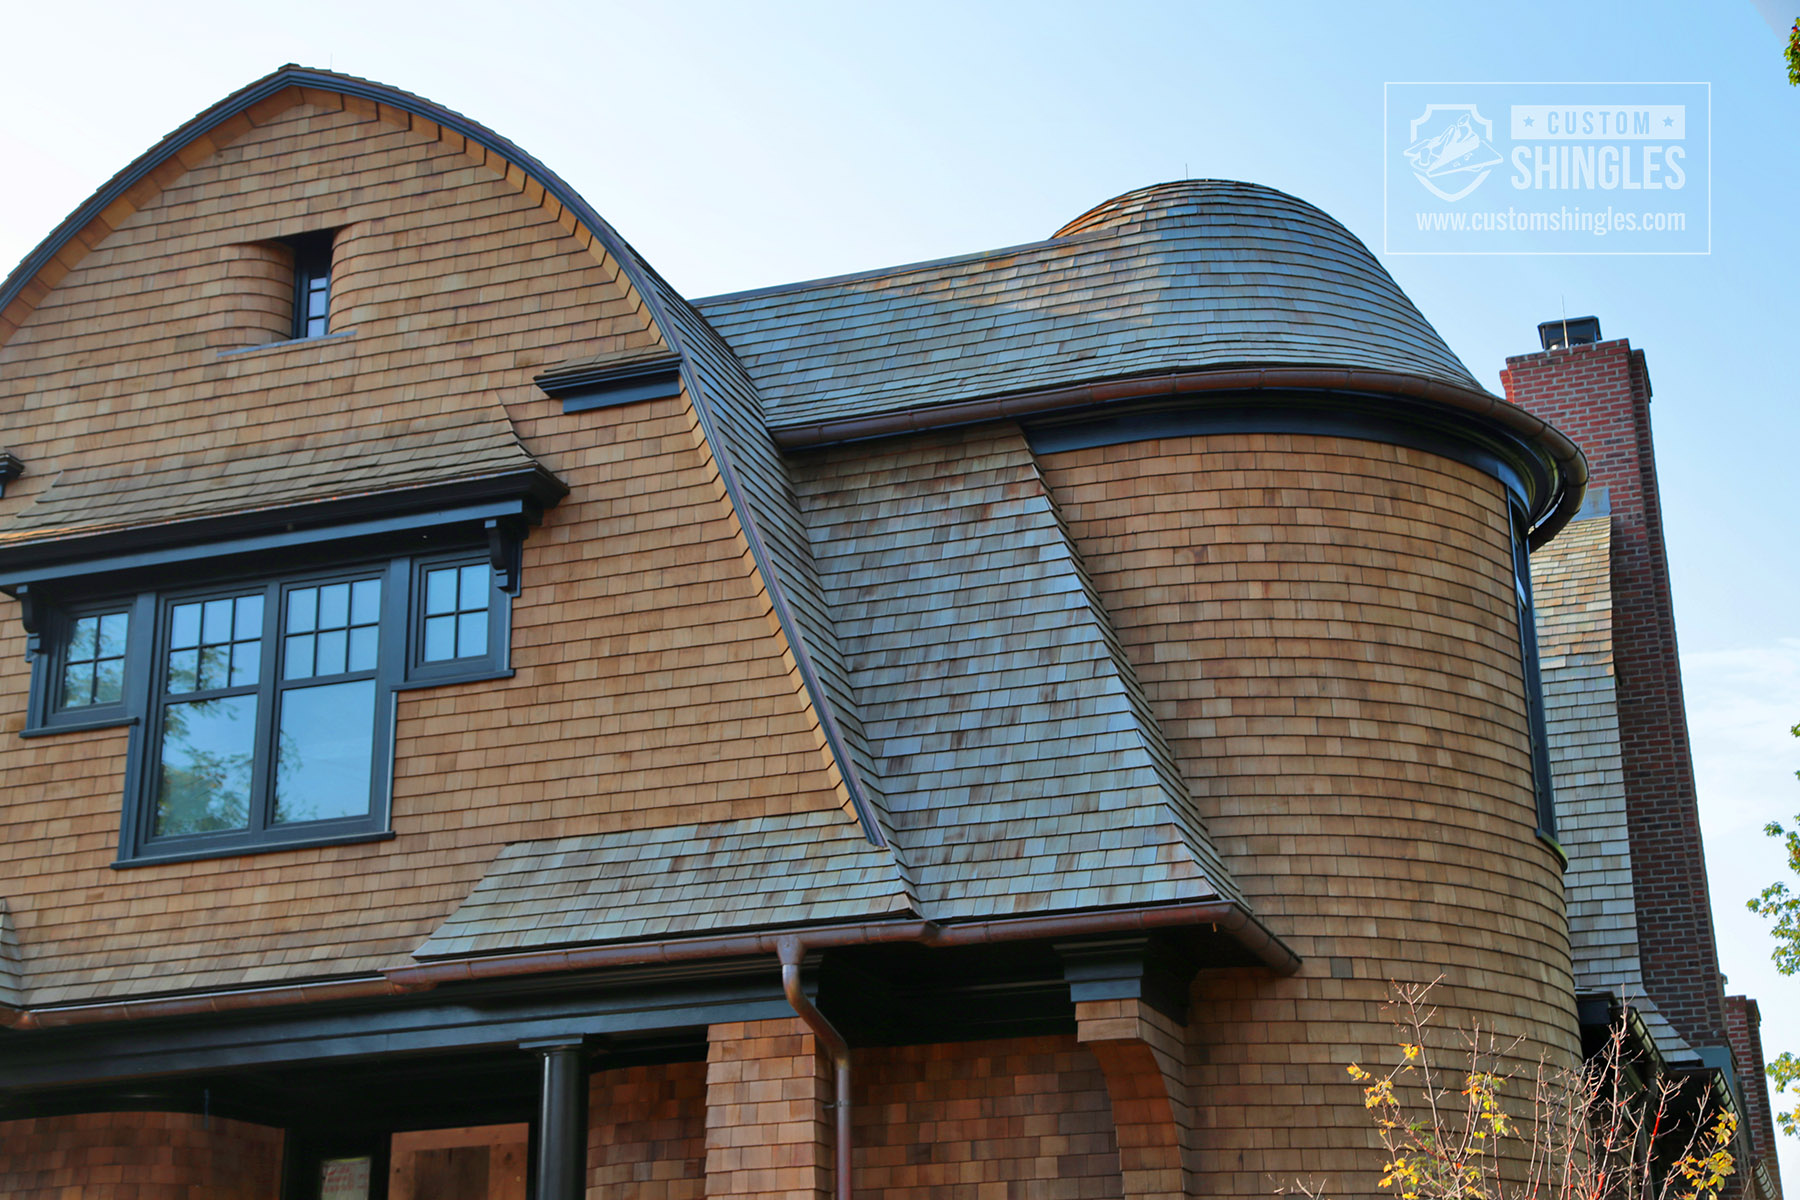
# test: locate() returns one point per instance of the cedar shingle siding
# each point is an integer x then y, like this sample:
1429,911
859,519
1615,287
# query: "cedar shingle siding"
1091,671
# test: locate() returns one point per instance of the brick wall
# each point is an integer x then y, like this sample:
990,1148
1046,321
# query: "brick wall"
1599,395
1743,1021
138,1156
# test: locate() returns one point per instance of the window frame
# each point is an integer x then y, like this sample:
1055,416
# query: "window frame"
493,661
262,830
1536,716
45,711
145,699
313,258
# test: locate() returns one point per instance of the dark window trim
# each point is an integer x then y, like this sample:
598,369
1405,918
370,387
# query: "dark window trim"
151,600
312,259
38,731
151,858
493,658
522,511
45,712
1542,777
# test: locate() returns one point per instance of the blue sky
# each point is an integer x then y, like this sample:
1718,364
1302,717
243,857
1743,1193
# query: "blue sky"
743,145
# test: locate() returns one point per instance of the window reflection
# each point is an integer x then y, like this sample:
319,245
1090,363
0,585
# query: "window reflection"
94,664
203,784
327,743
456,612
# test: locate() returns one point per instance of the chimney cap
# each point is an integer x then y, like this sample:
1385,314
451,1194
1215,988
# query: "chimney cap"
1564,332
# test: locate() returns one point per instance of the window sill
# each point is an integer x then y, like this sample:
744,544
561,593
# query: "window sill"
413,685
78,726
285,344
153,859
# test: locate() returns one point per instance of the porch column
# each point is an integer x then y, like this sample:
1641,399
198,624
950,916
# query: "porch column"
561,1172
768,1125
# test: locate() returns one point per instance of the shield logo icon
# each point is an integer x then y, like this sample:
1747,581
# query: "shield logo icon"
1452,151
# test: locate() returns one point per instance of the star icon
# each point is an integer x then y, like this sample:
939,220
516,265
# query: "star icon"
1529,120
1668,121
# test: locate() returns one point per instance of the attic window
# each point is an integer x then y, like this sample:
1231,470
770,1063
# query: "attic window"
312,284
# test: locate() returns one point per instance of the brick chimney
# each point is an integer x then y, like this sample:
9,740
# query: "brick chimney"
1744,1021
1598,392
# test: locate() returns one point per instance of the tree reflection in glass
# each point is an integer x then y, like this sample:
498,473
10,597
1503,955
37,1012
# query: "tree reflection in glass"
207,750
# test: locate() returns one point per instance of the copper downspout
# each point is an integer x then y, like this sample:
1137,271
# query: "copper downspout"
1224,915
791,953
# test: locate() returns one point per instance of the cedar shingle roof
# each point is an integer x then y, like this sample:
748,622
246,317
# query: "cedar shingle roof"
1572,596
273,472
1178,276
1022,767
986,705
680,879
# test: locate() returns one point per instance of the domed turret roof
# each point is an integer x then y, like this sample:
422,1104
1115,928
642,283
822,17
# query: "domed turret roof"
1184,276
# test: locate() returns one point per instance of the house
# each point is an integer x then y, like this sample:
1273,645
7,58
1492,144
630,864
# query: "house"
478,723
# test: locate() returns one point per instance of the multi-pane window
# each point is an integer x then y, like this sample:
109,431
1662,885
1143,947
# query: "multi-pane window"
206,720
456,612
94,661
330,644
262,711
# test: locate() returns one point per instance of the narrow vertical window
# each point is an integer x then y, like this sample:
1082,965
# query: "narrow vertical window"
312,285
1534,687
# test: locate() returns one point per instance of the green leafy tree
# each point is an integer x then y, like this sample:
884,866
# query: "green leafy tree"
1793,54
1778,902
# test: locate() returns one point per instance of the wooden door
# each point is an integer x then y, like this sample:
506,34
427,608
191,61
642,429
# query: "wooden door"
479,1162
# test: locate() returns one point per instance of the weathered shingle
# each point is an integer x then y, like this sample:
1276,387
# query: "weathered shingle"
1179,276
303,464
1572,595
1022,767
672,881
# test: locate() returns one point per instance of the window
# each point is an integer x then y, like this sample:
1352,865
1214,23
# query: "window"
86,681
451,627
262,706
1534,688
312,284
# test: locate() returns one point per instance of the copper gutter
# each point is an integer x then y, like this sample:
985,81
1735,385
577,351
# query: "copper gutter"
202,1005
791,954
1468,400
1225,916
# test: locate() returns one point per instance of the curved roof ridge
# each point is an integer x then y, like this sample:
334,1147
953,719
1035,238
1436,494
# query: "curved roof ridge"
1130,202
656,294
291,75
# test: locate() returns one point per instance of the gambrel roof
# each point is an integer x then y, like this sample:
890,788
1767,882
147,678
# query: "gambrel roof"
992,750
